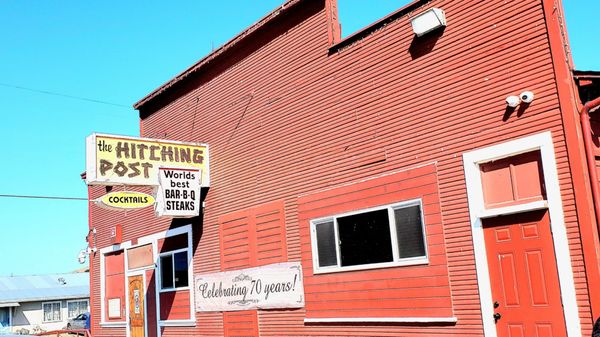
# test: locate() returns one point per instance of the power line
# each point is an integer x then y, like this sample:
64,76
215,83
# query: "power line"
39,197
46,92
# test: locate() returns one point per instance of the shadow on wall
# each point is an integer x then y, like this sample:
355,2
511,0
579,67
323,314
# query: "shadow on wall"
168,299
423,45
509,111
21,314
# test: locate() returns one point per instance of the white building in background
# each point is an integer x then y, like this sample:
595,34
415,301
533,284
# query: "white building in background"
42,302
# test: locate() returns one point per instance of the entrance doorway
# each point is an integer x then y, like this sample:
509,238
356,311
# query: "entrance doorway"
136,306
523,275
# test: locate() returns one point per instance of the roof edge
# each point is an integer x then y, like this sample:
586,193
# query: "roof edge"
225,47
586,74
402,12
48,298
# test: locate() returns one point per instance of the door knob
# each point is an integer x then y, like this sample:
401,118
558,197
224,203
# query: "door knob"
497,316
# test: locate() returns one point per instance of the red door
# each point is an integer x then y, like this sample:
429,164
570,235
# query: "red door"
523,275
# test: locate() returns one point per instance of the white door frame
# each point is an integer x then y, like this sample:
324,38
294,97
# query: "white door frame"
471,161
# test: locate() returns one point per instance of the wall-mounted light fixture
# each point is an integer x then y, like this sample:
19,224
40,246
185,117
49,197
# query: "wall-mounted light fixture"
91,248
427,21
525,97
513,101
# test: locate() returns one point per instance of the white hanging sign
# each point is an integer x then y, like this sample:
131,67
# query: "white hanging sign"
122,160
273,286
178,193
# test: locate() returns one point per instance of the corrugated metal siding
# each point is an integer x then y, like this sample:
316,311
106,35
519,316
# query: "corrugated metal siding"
291,119
175,305
250,238
407,291
240,323
114,280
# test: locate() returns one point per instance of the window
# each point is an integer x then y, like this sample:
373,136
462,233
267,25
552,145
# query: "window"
385,236
174,270
4,319
75,308
51,311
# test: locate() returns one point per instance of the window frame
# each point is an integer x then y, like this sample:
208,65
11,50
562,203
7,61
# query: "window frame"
77,301
60,318
159,272
106,321
396,262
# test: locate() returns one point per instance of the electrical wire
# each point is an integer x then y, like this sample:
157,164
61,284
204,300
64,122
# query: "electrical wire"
46,92
39,197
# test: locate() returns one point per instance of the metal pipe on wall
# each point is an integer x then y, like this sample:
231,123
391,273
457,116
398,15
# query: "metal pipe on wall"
589,152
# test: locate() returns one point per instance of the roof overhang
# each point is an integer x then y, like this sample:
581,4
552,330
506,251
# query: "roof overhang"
588,84
9,304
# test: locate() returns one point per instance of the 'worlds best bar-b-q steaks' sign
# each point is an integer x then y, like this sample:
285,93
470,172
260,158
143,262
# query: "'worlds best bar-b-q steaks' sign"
119,160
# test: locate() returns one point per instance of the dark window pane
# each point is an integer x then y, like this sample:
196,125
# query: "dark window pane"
326,246
181,269
166,271
409,229
365,238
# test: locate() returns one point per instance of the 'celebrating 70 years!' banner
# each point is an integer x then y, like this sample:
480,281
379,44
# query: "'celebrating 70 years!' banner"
278,285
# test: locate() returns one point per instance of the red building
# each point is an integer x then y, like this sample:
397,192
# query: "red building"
388,164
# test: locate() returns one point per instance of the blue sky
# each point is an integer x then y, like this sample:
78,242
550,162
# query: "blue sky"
117,52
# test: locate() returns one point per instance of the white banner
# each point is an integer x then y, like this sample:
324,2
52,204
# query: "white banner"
178,193
278,285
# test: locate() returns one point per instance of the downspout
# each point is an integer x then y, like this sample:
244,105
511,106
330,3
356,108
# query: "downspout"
589,153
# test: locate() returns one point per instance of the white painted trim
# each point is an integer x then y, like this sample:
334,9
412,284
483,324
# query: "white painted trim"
161,235
113,324
471,160
156,293
397,261
191,275
59,311
153,238
527,207
149,239
382,320
159,264
116,247
79,300
190,323
103,252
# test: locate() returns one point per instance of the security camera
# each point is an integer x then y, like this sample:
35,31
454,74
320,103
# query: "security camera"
81,257
526,97
512,101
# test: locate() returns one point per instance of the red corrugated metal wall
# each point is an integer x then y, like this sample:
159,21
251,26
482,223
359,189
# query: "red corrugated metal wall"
292,118
250,238
406,291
